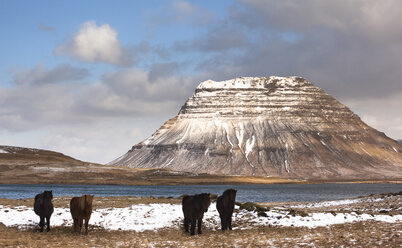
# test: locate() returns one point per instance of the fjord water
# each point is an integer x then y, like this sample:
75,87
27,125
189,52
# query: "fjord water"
255,193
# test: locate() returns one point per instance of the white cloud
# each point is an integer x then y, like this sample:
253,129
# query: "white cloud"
96,44
180,12
183,7
41,75
383,114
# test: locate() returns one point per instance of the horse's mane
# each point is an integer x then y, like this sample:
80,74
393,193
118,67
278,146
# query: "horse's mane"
230,193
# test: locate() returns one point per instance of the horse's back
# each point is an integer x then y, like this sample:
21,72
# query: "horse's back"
187,205
75,207
219,205
37,203
42,207
225,203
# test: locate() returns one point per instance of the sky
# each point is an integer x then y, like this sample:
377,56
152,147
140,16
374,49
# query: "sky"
91,79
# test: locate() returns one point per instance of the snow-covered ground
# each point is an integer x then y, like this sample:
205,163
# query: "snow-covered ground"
143,217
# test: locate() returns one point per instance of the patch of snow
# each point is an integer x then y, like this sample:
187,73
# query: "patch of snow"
392,147
249,145
286,165
247,82
55,169
143,217
249,148
184,136
240,134
3,151
169,163
326,203
363,148
323,219
225,126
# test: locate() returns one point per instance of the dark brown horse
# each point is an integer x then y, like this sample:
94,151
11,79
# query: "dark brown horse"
194,207
81,209
225,206
43,207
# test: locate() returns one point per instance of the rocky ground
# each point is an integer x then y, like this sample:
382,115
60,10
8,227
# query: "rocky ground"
371,221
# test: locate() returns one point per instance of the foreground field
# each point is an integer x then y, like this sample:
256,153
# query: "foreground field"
374,221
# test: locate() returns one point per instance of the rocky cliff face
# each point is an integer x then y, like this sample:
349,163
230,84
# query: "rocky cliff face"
269,126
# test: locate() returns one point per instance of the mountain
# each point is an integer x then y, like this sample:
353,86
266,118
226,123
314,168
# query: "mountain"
269,126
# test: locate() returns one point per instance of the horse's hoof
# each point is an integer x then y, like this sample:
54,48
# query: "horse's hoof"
41,230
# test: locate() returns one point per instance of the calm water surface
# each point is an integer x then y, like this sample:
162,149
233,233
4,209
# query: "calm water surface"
257,193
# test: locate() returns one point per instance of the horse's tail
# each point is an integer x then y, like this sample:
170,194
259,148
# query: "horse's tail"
81,203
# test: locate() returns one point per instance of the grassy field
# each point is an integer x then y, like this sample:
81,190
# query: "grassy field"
367,233
359,234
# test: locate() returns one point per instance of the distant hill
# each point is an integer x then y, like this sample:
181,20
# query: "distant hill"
11,155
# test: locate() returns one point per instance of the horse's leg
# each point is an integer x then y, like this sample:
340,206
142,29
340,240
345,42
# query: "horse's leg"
199,225
75,224
48,223
230,222
222,222
41,223
80,220
186,222
86,226
192,228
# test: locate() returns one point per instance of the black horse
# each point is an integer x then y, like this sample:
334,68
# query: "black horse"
194,207
43,207
225,206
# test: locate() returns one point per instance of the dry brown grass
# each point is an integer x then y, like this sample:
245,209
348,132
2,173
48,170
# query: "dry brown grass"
356,234
101,202
359,234
33,173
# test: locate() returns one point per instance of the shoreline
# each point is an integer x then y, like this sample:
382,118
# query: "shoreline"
197,180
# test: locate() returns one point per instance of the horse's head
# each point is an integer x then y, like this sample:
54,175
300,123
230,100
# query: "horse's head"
231,194
89,199
48,195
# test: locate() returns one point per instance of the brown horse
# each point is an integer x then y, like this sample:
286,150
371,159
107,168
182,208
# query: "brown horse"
225,206
81,209
43,207
194,207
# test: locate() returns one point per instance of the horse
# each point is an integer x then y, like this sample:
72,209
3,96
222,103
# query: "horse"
81,209
225,206
43,207
194,207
